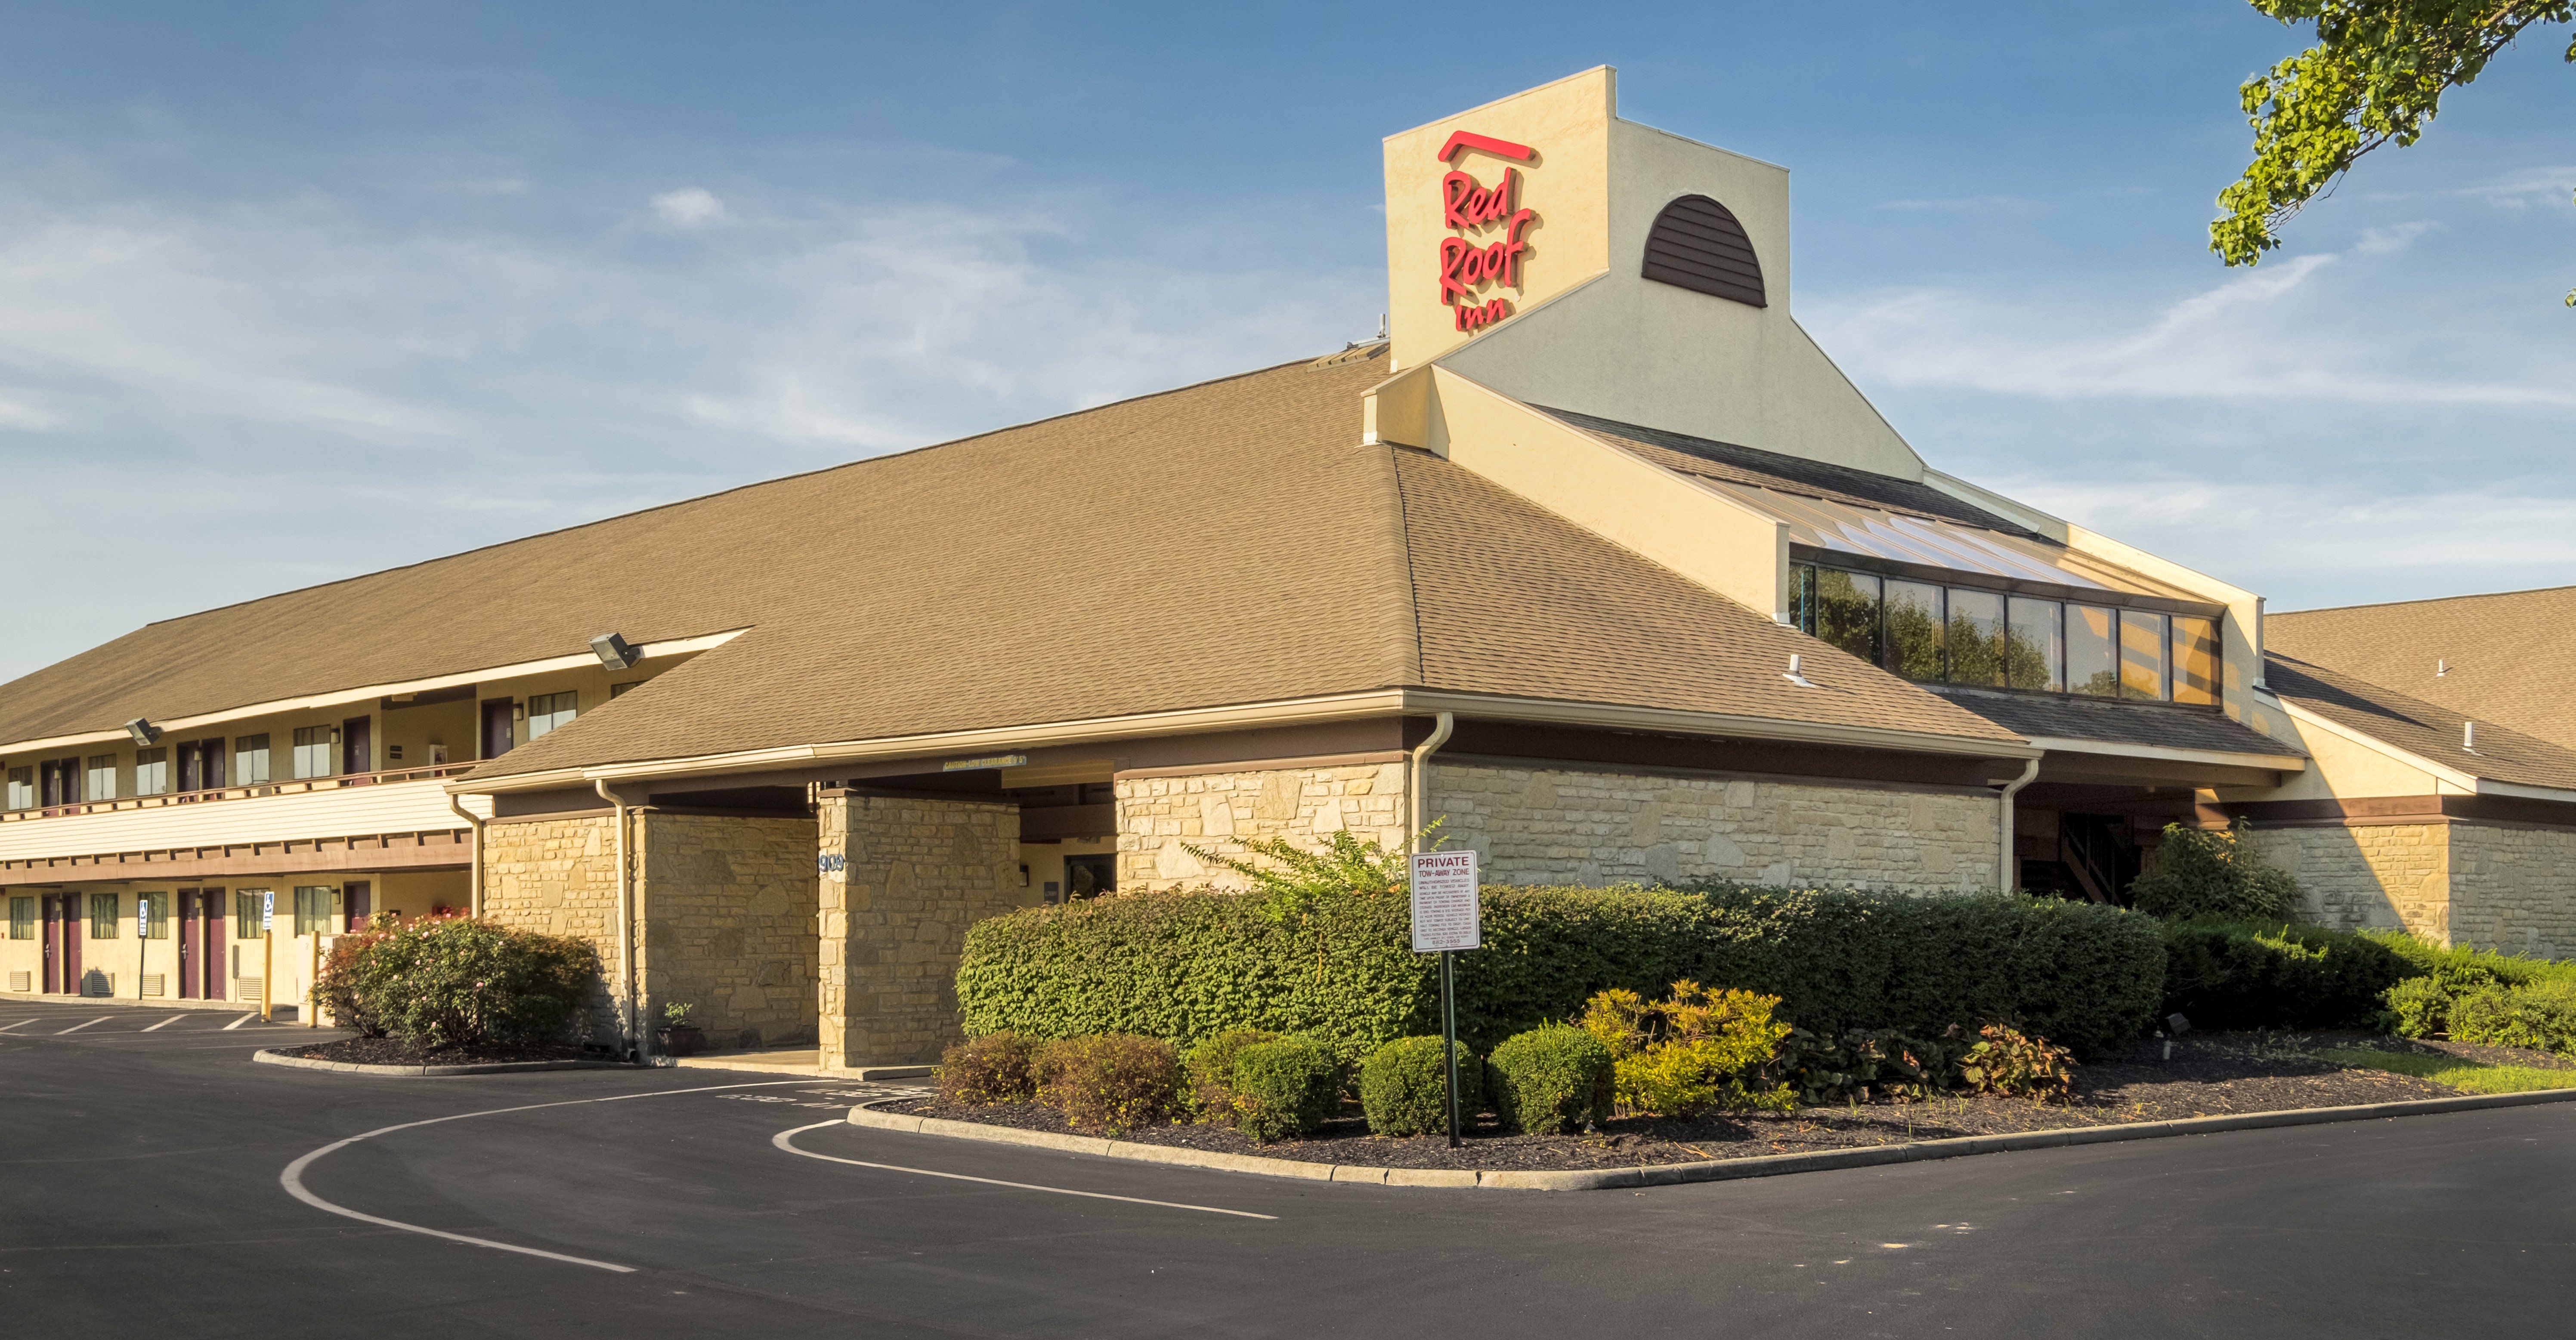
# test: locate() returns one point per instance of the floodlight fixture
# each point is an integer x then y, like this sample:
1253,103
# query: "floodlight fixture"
144,732
615,652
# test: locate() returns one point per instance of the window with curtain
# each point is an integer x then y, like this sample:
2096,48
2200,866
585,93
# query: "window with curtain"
156,915
22,918
98,779
250,759
313,910
548,711
246,906
313,746
102,916
22,788
152,771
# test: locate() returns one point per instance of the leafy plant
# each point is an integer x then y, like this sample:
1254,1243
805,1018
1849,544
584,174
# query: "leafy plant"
1285,1089
2419,1007
675,1014
1553,1079
1113,1082
1211,1072
995,1068
2010,1062
1866,1063
1301,881
459,981
2199,872
1404,1087
2541,1015
1696,1051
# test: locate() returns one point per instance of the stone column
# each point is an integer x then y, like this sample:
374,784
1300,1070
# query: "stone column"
902,877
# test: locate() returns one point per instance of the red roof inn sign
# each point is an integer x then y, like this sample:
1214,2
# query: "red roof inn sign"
1479,258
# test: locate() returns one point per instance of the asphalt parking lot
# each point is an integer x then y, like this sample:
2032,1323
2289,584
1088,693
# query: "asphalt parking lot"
141,1175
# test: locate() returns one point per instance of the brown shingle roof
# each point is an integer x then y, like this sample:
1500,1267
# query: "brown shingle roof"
1224,543
2426,730
2066,717
2507,653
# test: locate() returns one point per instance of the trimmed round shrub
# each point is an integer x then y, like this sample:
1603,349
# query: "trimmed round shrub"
2225,974
1552,1080
995,1068
1285,1089
1112,1082
1404,1088
1211,1072
445,982
2419,1007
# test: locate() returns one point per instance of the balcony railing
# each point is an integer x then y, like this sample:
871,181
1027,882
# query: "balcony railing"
337,781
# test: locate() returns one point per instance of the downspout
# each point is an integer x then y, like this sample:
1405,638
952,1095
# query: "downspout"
474,861
2004,865
629,1032
1421,779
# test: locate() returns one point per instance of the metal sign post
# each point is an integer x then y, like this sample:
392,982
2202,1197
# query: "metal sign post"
142,927
267,952
1445,921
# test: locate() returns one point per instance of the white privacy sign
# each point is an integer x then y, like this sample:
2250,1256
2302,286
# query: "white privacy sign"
1444,902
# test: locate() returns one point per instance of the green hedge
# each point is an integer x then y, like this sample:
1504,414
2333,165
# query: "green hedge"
2224,974
1187,966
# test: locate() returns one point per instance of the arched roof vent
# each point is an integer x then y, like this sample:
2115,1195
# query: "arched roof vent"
1697,244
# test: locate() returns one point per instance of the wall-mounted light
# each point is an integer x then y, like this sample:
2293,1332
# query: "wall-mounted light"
144,732
614,651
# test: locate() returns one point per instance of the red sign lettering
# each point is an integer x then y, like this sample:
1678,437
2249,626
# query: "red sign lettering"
1469,265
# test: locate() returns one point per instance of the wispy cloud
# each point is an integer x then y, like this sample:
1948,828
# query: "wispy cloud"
689,207
2265,334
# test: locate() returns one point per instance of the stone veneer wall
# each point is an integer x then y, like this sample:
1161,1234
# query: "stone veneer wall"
1159,818
1568,826
2513,888
559,876
914,873
729,912
2370,876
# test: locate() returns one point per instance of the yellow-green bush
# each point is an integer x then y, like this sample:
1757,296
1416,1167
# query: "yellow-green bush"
1696,1051
1112,1082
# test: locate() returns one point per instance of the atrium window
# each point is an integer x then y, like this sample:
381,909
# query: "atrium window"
546,711
1913,635
1976,638
98,782
2034,648
2093,651
2142,655
152,771
250,759
22,788
313,751
1983,637
2195,651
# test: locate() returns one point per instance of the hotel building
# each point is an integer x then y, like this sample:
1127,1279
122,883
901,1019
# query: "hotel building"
1597,560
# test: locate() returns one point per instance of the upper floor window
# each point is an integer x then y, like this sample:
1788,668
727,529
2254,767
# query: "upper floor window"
546,711
313,751
250,759
1975,635
152,771
22,788
98,781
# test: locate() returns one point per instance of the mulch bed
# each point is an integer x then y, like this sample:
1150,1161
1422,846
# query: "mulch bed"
2209,1075
396,1051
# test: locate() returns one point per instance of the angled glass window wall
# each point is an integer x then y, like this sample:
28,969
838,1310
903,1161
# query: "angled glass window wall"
1939,634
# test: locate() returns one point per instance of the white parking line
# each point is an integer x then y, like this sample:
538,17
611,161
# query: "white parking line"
20,1024
783,1142
78,1027
164,1023
293,1177
240,1021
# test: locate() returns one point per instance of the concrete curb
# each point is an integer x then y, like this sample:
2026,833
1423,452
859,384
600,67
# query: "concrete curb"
1714,1170
274,1056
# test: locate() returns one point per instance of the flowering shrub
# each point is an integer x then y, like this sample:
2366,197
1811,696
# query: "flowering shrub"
1697,1052
458,981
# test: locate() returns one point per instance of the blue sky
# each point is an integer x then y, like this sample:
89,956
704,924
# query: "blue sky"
292,292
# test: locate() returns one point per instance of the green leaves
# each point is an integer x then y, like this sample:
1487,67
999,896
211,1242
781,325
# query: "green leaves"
2376,76
1299,881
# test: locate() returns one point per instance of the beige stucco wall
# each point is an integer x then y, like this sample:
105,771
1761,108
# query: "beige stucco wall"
1564,826
729,914
914,874
1160,818
2376,876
